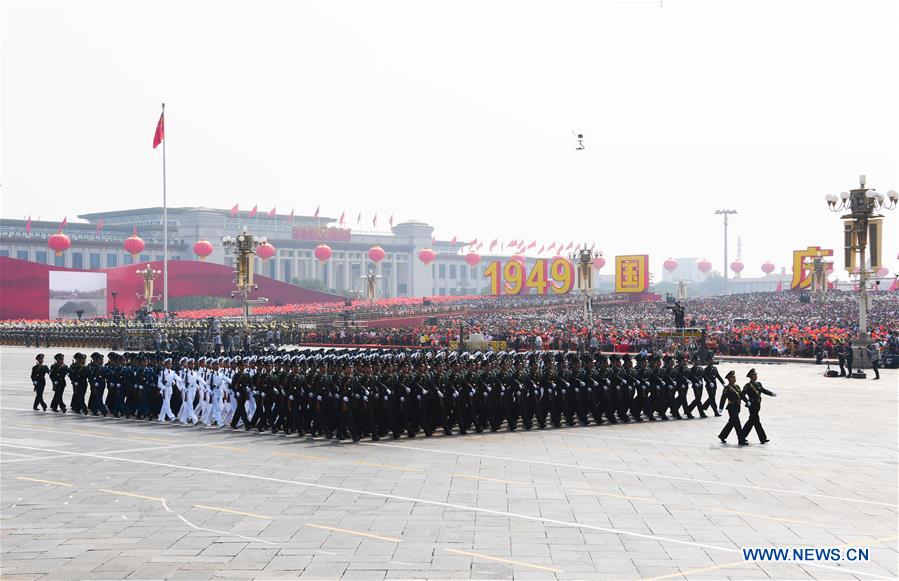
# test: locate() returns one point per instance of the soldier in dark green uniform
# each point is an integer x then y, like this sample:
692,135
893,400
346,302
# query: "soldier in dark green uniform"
753,391
733,396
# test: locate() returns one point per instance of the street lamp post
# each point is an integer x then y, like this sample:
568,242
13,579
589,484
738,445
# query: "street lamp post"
863,205
244,247
725,213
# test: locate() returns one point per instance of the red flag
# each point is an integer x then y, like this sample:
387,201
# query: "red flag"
290,218
235,210
473,242
253,211
780,286
480,244
62,225
28,225
272,213
317,208
453,241
391,220
551,246
99,226
532,245
374,221
542,248
159,136
492,245
359,219
342,216
512,242
570,244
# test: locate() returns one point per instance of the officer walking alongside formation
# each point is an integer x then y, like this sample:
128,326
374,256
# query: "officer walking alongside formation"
733,396
39,381
753,391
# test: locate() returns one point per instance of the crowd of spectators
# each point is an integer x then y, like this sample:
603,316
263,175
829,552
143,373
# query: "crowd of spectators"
757,324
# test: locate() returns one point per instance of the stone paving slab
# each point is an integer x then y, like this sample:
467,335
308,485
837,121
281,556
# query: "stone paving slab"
106,498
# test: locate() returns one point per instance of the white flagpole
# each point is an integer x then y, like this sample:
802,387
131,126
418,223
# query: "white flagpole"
165,229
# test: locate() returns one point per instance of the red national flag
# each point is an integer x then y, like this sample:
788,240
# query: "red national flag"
28,225
374,221
272,213
99,226
542,248
159,136
473,242
317,208
62,225
492,245
391,220
453,241
290,218
570,244
480,244
512,243
551,246
342,216
532,245
253,211
235,210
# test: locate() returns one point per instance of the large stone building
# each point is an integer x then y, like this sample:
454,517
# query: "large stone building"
98,243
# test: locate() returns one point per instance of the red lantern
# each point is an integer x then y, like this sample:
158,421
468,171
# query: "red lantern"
767,267
59,243
265,251
670,265
599,262
376,254
134,244
704,266
202,248
517,258
737,266
427,256
322,252
472,258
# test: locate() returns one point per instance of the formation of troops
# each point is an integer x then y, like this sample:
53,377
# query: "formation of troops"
355,394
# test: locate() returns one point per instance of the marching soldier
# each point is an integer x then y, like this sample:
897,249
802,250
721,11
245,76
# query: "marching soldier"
38,380
711,377
733,396
753,391
58,372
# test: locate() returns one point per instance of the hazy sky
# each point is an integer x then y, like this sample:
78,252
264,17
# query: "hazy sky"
460,114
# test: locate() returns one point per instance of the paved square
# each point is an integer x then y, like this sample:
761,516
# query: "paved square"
105,498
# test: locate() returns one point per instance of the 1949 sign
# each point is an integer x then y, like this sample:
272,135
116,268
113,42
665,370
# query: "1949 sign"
554,276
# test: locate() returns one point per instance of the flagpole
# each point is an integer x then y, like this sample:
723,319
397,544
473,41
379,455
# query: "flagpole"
165,231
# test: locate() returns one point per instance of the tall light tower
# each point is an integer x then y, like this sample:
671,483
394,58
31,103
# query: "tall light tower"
862,222
244,248
725,213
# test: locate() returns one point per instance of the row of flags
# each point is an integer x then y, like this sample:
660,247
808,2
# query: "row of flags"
273,213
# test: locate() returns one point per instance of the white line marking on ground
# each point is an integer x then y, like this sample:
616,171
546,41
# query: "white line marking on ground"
631,472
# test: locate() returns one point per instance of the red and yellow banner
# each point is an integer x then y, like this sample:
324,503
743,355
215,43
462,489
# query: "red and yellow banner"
632,273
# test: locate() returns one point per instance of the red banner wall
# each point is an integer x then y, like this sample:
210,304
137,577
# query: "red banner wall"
25,294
